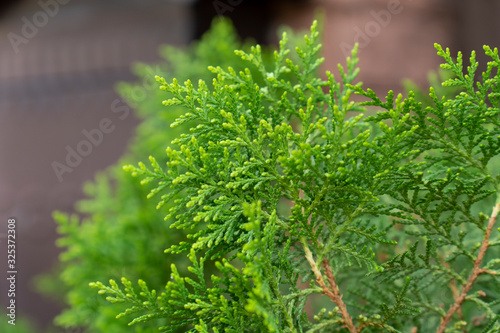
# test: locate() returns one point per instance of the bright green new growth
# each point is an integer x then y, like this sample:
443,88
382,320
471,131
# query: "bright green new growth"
287,185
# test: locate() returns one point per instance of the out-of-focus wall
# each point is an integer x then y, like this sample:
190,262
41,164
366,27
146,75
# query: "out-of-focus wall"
395,37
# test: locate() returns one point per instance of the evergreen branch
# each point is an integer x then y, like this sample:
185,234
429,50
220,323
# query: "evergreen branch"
475,272
282,177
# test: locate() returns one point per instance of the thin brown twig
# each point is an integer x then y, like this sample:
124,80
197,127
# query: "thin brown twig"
453,287
333,292
336,292
475,272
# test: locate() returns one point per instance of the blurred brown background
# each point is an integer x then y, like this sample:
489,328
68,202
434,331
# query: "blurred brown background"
57,79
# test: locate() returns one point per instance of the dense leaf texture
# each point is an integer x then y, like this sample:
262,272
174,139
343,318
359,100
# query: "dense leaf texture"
289,187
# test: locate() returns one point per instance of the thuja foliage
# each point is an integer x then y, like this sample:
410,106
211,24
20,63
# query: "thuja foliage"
117,231
321,213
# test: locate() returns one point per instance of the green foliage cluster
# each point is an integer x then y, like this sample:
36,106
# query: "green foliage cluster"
306,211
118,231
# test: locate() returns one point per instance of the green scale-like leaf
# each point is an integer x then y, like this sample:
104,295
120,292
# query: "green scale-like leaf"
369,210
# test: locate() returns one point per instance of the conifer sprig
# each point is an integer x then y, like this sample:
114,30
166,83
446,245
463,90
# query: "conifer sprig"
284,180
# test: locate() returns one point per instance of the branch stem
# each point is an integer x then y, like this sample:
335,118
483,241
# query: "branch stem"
333,292
475,272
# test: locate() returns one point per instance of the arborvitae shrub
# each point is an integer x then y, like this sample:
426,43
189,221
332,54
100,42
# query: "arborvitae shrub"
383,218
